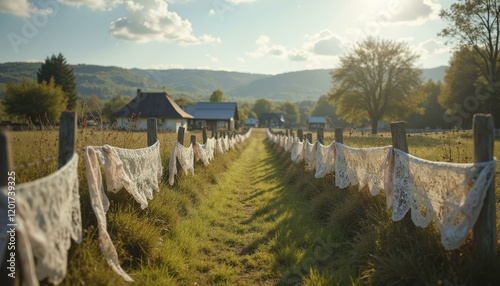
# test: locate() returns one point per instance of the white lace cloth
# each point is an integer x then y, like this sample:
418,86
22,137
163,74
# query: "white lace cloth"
136,170
297,151
205,152
452,194
325,160
289,144
219,146
310,155
48,217
185,157
361,166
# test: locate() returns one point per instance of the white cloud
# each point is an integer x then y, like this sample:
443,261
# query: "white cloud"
238,1
413,12
325,43
93,4
150,20
241,60
212,12
212,58
23,8
432,47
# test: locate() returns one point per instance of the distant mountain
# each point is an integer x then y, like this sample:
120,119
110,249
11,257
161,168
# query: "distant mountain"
195,85
307,84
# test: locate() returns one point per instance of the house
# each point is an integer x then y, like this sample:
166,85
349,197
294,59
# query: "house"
273,120
145,105
315,122
252,122
221,115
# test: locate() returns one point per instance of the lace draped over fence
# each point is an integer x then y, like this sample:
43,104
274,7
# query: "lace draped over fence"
136,170
47,217
451,194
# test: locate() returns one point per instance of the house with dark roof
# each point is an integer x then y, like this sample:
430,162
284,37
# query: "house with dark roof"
221,115
273,120
145,105
315,122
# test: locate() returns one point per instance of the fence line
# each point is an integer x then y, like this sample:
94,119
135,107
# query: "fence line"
67,143
484,229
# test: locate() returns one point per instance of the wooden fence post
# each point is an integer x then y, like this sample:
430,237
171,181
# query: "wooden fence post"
67,137
152,131
5,168
339,135
320,135
180,135
398,133
204,134
484,231
300,134
193,142
309,137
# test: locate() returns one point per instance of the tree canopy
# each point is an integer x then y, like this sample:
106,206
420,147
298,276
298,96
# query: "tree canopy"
476,25
433,114
291,113
375,81
57,68
217,96
262,105
37,101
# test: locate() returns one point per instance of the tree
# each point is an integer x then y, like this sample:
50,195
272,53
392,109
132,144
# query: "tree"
57,68
182,101
291,113
433,114
37,101
460,83
113,105
375,81
476,24
262,105
324,107
217,96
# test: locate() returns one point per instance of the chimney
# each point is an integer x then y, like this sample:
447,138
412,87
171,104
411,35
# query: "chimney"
139,92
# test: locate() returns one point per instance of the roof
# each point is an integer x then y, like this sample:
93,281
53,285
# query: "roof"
153,104
316,119
213,110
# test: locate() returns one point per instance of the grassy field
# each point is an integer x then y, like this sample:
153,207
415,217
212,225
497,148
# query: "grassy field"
253,217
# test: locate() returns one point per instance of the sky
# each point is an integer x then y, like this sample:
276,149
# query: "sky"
255,36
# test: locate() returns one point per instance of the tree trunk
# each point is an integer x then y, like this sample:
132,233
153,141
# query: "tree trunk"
374,126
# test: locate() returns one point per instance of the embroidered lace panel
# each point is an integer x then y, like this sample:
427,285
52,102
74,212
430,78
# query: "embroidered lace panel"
136,170
310,155
361,166
450,193
325,160
185,157
48,217
297,151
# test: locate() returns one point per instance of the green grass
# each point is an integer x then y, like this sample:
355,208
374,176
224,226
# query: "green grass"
252,217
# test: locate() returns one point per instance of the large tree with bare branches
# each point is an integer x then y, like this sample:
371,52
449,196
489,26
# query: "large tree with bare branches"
375,81
475,24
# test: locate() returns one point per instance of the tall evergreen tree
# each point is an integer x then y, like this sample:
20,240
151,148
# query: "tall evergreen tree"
56,67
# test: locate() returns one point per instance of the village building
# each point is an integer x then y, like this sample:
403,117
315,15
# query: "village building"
272,120
315,122
145,105
219,115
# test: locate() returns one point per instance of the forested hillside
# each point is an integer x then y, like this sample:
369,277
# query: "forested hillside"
108,81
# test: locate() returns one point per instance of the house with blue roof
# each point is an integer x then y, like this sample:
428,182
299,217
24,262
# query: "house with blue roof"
221,115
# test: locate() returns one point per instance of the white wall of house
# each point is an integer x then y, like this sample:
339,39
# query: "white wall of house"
163,124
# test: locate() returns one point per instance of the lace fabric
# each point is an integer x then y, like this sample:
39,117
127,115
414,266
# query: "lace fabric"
185,157
48,217
288,144
361,166
450,193
205,152
138,171
219,146
310,155
297,151
325,160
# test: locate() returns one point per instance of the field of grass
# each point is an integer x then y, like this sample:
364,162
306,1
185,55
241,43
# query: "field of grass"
253,217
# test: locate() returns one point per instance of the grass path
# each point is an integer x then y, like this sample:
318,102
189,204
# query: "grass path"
253,229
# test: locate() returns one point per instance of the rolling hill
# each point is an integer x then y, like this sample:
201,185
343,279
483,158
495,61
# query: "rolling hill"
108,81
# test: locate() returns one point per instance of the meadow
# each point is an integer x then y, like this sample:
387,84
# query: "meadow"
158,245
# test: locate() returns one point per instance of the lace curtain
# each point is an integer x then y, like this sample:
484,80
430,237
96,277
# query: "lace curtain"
205,152
310,155
138,171
185,157
452,194
361,166
297,151
48,217
325,160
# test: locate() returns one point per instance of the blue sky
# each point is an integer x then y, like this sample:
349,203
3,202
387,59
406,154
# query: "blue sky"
257,36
